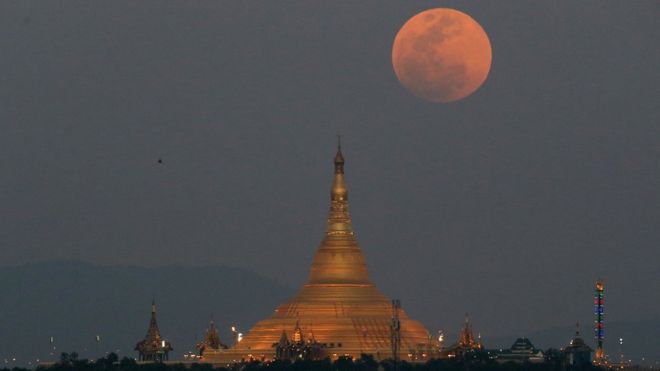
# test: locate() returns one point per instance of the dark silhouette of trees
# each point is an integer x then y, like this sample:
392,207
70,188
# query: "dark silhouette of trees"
366,362
475,362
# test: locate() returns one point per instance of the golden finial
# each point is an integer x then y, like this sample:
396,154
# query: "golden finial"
339,222
339,158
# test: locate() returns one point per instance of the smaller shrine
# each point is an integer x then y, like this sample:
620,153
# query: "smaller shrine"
153,347
211,340
467,342
577,354
297,348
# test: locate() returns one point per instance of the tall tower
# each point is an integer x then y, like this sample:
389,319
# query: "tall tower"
599,319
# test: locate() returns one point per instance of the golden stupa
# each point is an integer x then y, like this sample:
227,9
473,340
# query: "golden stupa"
339,308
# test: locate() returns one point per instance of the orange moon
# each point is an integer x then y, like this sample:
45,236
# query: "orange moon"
441,55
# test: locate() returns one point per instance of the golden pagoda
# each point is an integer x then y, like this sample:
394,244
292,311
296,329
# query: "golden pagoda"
339,307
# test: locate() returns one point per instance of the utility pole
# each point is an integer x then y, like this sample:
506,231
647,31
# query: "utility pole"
395,332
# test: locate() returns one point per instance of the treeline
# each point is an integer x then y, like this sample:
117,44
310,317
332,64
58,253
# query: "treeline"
70,362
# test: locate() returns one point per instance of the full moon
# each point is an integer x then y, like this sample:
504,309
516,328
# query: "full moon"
441,55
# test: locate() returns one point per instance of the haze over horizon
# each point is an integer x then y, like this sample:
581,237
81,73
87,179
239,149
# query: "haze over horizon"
508,204
73,302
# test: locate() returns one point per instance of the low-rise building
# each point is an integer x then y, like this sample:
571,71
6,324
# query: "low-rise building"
522,351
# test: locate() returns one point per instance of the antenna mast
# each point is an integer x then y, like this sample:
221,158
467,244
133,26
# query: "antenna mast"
396,330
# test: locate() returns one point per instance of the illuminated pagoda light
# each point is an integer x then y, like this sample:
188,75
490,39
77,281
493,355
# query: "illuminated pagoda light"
153,347
211,340
236,336
599,321
350,316
467,342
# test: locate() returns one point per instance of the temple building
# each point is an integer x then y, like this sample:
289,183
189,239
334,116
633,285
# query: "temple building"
466,343
522,351
153,347
211,340
577,354
339,304
298,347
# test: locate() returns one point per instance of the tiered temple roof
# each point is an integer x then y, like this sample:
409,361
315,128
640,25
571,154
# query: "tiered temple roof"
211,340
521,351
153,347
298,347
467,342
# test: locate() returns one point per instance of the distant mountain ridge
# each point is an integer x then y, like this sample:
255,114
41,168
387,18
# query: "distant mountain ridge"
75,301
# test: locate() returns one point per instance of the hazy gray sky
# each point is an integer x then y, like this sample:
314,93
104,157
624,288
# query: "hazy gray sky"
508,204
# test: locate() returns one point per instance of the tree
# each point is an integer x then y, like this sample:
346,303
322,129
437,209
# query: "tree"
127,364
366,362
112,357
344,363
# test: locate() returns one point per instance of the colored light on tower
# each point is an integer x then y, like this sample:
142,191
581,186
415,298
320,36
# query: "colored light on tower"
599,314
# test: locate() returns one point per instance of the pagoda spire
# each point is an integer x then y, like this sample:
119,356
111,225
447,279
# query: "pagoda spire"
153,332
339,259
153,347
211,340
298,333
466,338
339,219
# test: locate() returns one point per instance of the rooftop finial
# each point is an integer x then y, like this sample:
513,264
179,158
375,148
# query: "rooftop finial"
339,158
